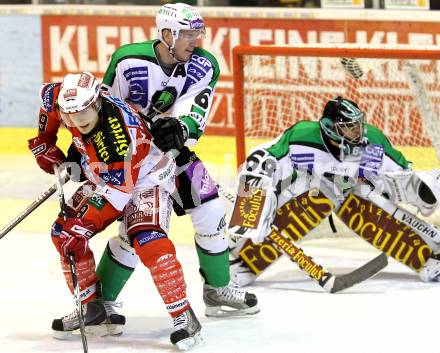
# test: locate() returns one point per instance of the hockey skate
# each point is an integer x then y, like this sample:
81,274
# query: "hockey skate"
186,334
228,301
431,271
100,319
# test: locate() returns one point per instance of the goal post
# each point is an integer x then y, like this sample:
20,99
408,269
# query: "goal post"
397,86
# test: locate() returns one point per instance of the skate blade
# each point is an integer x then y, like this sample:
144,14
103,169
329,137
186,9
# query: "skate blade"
190,342
92,330
219,311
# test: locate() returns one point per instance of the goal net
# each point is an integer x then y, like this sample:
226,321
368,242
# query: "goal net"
398,87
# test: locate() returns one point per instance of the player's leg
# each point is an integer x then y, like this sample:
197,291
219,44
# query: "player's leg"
117,264
220,298
148,235
198,196
100,317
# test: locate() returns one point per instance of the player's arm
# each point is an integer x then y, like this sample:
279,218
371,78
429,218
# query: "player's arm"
44,146
193,107
400,184
188,117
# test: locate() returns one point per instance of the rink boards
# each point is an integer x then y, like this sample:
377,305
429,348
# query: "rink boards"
22,181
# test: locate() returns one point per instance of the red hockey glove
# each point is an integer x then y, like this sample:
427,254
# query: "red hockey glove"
75,237
46,152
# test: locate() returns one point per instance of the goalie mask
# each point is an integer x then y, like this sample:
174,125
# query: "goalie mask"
184,22
79,101
343,122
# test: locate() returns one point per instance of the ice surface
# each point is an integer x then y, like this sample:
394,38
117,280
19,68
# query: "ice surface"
392,312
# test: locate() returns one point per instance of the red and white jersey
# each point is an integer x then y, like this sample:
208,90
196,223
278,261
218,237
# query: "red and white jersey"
118,154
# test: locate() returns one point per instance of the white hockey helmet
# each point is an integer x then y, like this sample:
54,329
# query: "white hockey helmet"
178,17
79,101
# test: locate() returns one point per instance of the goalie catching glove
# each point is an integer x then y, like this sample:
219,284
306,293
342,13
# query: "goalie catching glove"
169,133
420,189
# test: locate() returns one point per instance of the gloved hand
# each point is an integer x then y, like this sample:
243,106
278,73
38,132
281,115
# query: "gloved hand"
168,133
46,152
75,237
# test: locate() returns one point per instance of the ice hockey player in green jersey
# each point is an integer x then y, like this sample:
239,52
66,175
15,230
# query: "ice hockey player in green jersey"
353,164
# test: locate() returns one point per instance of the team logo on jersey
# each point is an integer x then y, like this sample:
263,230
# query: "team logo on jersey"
114,177
371,160
137,77
301,160
162,101
112,142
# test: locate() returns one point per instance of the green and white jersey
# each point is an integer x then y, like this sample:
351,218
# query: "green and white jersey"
135,76
302,146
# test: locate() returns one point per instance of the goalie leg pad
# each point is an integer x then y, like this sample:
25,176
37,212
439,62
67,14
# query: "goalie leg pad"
252,260
384,232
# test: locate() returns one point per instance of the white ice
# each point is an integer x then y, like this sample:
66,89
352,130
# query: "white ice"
392,312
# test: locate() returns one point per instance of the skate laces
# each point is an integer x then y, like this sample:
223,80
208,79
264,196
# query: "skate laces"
231,294
109,306
74,315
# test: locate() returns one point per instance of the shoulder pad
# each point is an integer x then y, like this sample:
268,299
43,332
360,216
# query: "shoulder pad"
49,95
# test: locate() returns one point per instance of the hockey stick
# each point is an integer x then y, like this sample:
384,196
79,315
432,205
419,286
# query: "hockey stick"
331,283
31,208
82,328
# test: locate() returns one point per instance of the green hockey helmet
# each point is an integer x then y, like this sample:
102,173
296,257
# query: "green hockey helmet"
343,121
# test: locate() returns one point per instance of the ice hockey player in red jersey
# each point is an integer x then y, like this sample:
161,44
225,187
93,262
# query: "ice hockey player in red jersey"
126,176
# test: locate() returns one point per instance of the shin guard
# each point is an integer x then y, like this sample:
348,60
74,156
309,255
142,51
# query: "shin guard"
157,253
116,266
87,278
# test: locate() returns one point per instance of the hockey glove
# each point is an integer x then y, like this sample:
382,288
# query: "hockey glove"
46,152
168,133
75,237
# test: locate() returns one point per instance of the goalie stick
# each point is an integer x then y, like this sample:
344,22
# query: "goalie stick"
31,208
329,282
77,291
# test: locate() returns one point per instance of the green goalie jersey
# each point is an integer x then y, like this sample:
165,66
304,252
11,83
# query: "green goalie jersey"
303,146
135,76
